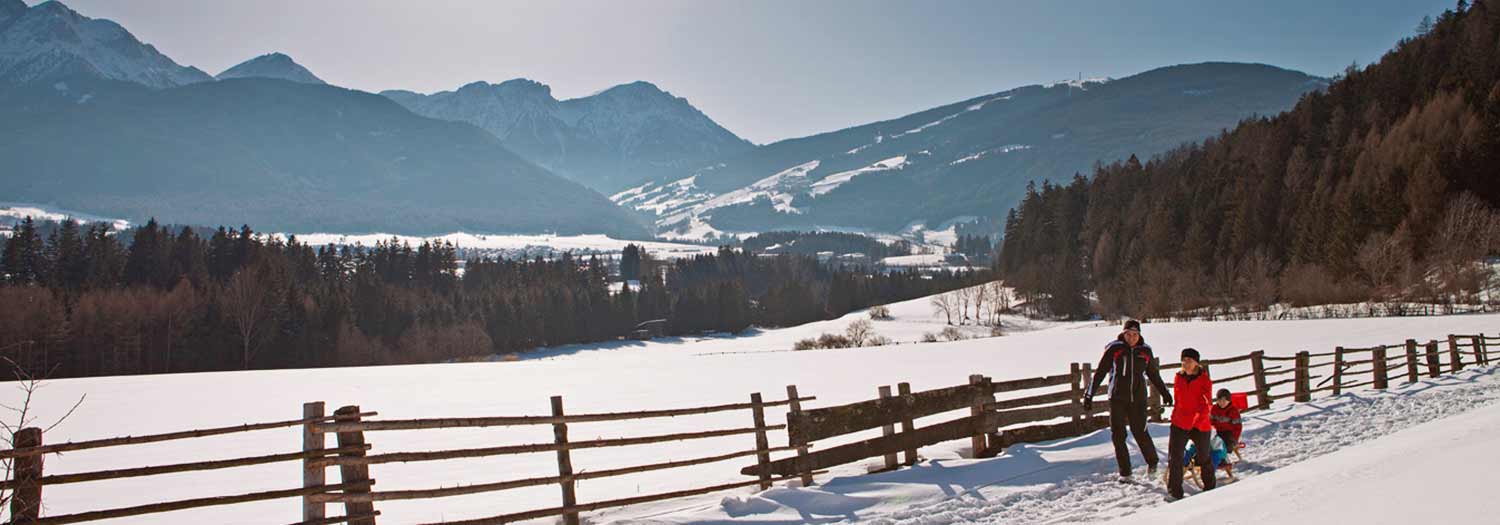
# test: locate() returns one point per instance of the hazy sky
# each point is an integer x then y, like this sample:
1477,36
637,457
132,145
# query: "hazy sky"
765,69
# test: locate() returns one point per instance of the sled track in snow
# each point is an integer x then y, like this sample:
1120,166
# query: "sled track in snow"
1276,438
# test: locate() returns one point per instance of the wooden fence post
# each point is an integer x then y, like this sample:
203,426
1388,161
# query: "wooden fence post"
908,427
1382,379
1338,370
26,497
888,430
1258,367
762,444
1434,366
1456,360
1088,382
312,476
1076,372
803,467
1481,357
352,473
982,395
564,462
1303,379
1411,361
1153,395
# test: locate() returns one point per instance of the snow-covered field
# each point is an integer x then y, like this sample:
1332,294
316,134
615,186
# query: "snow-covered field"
1062,481
909,322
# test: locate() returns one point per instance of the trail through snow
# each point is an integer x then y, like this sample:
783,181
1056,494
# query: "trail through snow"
1072,481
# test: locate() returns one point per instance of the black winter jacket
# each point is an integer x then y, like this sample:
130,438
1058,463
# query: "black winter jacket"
1128,368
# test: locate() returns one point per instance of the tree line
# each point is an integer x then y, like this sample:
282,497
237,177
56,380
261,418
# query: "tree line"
83,300
1382,187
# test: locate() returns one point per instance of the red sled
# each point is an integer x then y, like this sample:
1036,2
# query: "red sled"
1240,400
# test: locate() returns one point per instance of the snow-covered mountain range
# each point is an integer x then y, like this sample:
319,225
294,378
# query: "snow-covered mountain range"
971,158
99,122
607,141
271,65
51,40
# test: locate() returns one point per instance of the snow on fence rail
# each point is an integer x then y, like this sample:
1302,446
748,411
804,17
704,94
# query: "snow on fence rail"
1033,409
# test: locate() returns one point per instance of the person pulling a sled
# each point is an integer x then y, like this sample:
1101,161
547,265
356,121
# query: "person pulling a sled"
1191,420
1129,364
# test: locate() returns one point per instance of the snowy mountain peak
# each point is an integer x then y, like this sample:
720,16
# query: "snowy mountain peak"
606,140
271,65
51,41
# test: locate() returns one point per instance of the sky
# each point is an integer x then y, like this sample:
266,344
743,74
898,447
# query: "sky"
765,69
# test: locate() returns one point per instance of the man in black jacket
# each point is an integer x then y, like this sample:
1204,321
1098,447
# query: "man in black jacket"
1129,363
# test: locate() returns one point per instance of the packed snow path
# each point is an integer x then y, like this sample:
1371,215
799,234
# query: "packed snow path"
1073,480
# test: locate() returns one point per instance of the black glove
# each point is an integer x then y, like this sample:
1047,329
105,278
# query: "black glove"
1088,402
1166,398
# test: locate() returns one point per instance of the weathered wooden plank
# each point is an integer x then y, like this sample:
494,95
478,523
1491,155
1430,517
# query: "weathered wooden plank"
795,408
1262,391
564,462
406,457
26,496
505,421
1037,433
354,474
155,438
1019,416
480,488
1002,387
874,447
156,508
312,476
889,429
81,477
762,443
822,423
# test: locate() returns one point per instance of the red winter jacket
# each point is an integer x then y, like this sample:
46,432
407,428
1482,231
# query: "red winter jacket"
1193,396
1227,421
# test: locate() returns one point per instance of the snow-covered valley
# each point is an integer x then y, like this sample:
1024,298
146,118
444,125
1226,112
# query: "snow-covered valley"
1059,481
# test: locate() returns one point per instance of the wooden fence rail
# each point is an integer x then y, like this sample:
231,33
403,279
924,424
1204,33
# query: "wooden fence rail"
991,414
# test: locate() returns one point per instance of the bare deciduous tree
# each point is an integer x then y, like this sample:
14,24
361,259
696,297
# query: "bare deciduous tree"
945,305
246,301
860,331
24,416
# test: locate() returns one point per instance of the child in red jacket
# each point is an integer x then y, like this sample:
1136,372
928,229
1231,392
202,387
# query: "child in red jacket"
1226,420
1193,391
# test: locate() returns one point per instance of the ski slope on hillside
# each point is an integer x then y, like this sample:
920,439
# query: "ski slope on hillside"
660,374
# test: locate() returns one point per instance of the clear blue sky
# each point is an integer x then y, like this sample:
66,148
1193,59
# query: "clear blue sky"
765,69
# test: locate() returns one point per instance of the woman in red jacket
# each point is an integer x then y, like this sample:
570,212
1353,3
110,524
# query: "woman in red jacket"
1193,391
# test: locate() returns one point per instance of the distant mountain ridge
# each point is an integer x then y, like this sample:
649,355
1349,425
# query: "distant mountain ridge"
271,65
970,158
51,41
607,141
286,156
98,122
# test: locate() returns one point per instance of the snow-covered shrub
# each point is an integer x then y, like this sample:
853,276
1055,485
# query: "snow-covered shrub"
880,313
952,333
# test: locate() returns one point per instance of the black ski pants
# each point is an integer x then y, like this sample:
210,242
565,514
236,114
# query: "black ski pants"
1177,448
1122,412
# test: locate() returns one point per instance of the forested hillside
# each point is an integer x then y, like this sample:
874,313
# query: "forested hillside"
1382,187
79,302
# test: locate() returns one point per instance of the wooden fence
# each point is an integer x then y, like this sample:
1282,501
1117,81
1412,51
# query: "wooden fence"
997,414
